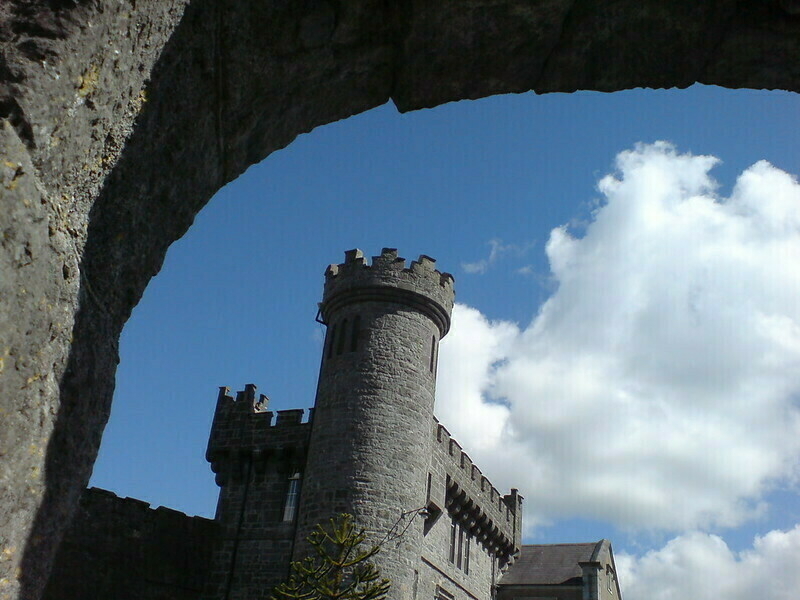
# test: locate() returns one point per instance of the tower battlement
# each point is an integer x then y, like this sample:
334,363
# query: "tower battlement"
370,447
243,427
375,450
387,278
495,519
371,452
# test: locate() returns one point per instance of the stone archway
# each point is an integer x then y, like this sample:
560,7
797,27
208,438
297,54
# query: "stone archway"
121,120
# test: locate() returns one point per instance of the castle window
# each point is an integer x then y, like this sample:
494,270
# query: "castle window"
466,555
460,547
340,338
432,365
442,594
453,534
292,496
355,332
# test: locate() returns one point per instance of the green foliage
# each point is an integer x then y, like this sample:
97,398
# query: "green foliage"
339,569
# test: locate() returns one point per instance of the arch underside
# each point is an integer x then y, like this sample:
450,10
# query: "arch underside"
121,120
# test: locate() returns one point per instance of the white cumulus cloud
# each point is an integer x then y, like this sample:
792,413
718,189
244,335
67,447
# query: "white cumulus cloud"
702,567
467,360
657,387
497,250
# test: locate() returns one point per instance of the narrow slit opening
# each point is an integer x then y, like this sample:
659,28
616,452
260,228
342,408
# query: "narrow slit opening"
340,339
355,333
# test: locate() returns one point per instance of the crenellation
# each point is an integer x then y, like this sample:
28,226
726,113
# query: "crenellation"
475,503
292,416
466,463
442,435
387,278
375,450
455,448
389,260
124,548
243,432
446,279
476,473
354,256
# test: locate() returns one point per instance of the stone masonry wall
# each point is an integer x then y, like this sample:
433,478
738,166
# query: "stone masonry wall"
370,452
122,118
254,459
495,517
488,518
370,443
437,572
123,549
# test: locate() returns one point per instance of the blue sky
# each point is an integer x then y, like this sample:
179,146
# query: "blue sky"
481,186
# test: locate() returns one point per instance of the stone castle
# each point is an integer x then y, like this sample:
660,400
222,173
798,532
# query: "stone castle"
371,447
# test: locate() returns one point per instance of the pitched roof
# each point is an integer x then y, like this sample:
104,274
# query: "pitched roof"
551,564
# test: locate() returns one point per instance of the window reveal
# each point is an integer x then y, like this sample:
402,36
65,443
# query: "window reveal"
292,496
460,540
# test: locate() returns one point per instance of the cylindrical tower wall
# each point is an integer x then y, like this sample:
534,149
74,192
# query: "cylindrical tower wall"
371,440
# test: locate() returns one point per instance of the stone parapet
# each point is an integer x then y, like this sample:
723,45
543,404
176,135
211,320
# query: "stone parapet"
243,427
123,548
494,519
420,286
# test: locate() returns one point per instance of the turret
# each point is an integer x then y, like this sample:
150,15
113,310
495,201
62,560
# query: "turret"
257,458
370,443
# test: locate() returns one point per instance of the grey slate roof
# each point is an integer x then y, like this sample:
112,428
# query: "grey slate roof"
550,564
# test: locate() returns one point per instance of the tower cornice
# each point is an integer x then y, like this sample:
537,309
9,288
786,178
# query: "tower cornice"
420,286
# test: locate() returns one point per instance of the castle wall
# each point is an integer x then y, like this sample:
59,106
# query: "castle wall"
472,532
373,449
255,544
495,518
440,577
121,548
255,460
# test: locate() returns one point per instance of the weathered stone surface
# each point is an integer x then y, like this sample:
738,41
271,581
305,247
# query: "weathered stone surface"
372,449
126,116
38,284
370,445
71,85
254,458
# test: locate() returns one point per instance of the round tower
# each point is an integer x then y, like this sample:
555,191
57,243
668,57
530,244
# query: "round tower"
372,431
